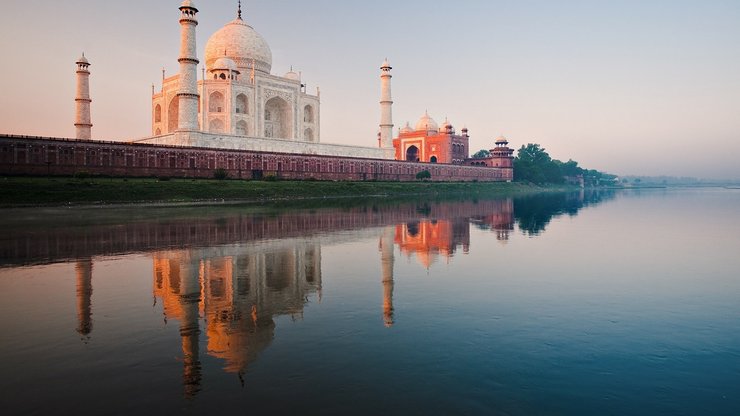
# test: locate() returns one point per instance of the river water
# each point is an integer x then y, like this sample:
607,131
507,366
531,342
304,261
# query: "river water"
557,304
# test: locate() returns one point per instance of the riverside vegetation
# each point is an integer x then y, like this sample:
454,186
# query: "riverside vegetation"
16,191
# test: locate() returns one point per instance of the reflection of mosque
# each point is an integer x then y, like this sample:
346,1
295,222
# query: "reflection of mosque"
429,238
238,295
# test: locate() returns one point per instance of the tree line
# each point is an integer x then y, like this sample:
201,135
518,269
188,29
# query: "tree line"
533,164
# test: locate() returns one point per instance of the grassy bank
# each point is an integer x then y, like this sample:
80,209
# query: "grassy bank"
15,191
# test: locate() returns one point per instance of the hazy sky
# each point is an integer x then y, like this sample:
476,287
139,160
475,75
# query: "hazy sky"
628,87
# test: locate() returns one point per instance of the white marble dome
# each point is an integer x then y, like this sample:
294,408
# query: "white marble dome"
242,44
224,64
292,75
426,123
407,128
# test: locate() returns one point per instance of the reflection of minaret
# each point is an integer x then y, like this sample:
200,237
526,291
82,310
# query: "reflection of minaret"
177,280
386,262
83,268
189,331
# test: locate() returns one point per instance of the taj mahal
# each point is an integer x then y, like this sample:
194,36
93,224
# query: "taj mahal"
237,115
238,103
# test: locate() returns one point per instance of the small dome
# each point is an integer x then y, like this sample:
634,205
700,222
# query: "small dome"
292,75
446,126
83,60
407,128
501,140
426,123
224,64
386,64
188,4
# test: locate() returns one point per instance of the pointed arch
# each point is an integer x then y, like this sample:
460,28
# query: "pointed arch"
412,154
242,104
278,119
308,114
216,102
158,113
241,128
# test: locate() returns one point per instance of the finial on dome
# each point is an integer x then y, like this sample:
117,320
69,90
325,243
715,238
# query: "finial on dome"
239,11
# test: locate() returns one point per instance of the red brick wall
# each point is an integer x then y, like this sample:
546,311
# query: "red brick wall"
21,155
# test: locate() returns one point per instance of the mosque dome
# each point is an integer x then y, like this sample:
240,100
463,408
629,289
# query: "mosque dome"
502,141
242,44
426,123
446,126
407,128
83,60
224,64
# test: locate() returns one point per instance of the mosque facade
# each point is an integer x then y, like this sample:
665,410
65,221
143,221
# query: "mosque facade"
430,143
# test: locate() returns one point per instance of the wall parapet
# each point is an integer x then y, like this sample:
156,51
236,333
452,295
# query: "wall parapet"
49,156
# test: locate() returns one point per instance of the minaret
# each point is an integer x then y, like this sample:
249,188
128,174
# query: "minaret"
83,126
386,264
83,268
386,103
188,93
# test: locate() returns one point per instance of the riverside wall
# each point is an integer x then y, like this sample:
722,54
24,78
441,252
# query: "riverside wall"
50,156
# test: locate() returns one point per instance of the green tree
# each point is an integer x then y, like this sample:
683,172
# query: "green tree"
534,164
424,175
481,154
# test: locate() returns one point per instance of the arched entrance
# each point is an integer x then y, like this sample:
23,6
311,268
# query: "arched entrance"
241,128
433,159
412,154
278,120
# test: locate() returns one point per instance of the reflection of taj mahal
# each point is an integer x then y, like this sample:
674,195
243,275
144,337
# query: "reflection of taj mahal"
237,295
225,297
237,94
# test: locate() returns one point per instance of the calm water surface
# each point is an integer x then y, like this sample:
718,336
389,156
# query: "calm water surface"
562,304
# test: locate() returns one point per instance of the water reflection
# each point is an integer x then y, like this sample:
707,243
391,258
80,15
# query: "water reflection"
225,275
534,212
237,291
83,268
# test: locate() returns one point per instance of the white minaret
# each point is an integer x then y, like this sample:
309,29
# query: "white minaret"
188,92
386,263
83,125
386,104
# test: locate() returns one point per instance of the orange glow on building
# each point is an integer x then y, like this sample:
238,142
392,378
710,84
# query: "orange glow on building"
430,143
430,238
234,298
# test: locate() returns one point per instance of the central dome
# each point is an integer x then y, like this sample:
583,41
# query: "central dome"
242,44
426,123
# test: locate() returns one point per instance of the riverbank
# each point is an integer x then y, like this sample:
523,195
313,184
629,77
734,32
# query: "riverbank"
55,191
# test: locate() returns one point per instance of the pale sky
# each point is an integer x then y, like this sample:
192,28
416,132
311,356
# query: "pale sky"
628,87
